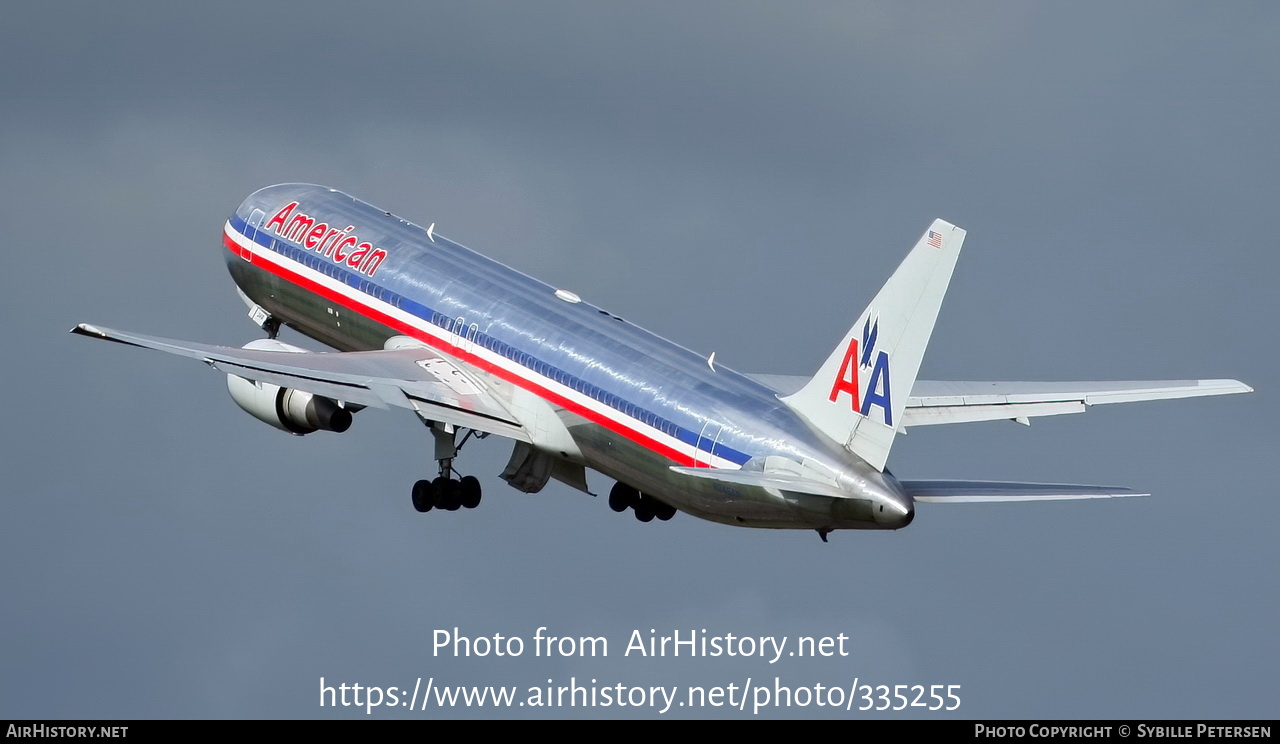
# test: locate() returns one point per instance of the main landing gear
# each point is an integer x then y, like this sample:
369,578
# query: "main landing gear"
646,507
446,492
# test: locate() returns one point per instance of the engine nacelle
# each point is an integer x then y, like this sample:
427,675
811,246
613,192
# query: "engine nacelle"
287,409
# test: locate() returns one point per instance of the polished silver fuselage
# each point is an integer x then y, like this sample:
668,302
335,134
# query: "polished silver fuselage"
639,403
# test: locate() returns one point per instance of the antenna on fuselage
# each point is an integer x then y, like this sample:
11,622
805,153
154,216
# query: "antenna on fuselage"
430,232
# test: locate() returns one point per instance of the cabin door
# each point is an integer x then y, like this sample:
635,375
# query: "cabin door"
706,444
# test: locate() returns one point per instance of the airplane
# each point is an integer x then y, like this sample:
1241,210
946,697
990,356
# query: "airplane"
475,348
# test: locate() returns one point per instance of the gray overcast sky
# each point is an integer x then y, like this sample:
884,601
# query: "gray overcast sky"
739,177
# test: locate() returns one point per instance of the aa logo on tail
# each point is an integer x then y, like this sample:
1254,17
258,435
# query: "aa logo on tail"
851,375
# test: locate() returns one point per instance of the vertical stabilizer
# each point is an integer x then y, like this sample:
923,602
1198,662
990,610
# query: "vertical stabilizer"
858,395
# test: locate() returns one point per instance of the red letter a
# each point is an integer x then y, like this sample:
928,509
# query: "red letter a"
847,379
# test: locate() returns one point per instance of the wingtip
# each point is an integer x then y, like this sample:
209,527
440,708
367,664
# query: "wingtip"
1124,492
1229,386
1121,492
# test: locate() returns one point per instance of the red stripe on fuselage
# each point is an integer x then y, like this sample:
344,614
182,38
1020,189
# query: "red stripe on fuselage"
400,326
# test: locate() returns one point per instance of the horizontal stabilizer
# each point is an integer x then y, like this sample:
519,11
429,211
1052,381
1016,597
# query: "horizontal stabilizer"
970,492
939,402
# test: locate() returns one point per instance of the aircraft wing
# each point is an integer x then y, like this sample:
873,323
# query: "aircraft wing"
948,402
417,378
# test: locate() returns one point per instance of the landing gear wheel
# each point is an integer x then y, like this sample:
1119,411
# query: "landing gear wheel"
453,492
423,498
621,497
644,509
661,509
446,492
469,487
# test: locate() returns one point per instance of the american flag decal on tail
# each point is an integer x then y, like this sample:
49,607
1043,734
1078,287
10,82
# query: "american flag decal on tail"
935,239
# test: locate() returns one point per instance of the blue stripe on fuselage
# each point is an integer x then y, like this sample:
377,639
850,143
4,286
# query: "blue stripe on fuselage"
367,286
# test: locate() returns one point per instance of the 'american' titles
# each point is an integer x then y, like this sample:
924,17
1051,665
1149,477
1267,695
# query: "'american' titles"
339,246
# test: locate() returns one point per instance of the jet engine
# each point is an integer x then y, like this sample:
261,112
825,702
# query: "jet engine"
287,409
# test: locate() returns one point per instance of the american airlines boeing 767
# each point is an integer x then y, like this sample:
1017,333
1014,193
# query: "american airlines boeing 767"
475,348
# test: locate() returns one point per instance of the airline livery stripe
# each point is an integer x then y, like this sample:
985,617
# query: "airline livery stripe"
416,326
718,454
